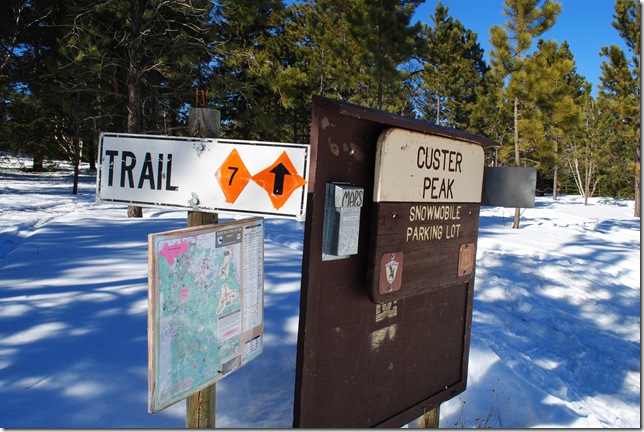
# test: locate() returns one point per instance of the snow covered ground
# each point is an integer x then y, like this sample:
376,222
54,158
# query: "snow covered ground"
555,337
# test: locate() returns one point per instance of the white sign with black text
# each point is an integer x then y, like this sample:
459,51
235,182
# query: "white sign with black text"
204,174
417,167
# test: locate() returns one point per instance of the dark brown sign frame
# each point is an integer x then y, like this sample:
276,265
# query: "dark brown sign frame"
360,362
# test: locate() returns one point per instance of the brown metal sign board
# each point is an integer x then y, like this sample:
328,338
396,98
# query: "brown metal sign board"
385,323
509,187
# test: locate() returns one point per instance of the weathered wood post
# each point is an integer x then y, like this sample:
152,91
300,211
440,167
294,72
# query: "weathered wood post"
200,407
430,419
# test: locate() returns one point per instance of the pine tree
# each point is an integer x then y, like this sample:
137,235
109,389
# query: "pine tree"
527,19
27,40
329,55
147,51
491,115
619,101
382,28
320,60
552,86
247,65
453,69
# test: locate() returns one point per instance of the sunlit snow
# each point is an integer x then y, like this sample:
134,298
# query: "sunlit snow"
555,336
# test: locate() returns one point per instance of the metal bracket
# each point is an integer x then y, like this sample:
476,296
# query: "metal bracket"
194,202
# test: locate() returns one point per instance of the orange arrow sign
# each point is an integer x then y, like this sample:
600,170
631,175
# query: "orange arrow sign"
279,180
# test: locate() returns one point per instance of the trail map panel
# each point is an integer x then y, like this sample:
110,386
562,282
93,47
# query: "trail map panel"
206,301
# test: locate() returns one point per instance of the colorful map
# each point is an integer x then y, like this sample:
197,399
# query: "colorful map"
202,329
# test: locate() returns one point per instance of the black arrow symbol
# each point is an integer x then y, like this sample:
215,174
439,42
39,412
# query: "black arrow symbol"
280,171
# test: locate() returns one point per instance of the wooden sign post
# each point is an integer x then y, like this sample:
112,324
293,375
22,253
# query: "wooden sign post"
204,175
431,419
201,407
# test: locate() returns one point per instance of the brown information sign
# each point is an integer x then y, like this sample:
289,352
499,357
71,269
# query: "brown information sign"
427,194
431,237
384,332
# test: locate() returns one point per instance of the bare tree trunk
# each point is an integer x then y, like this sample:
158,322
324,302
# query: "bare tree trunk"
555,185
589,173
555,182
517,157
135,72
637,212
91,150
38,161
76,144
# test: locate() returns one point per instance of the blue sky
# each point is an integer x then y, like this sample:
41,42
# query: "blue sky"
585,24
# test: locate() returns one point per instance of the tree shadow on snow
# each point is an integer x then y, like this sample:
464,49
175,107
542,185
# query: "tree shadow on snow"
74,327
73,330
567,324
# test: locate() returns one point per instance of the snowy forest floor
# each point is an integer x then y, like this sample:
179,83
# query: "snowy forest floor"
555,336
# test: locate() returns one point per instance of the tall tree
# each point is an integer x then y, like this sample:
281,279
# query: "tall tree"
328,49
383,29
619,98
527,19
320,60
553,117
272,59
246,68
142,49
584,152
453,69
27,39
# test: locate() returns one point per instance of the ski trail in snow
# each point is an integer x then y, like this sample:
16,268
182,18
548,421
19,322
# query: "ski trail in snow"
30,201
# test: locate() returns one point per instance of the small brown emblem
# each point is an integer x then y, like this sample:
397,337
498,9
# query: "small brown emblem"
466,260
391,267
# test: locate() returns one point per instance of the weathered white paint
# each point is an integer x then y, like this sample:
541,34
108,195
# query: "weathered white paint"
417,167
180,173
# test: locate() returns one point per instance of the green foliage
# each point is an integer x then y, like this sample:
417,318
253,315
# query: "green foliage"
492,115
551,116
619,103
382,29
527,19
69,69
453,71
28,44
141,58
272,59
247,64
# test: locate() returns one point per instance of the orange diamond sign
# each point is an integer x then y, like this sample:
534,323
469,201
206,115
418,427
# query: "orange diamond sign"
279,180
232,176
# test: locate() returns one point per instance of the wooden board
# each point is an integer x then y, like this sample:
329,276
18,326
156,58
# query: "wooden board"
435,241
360,363
418,167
